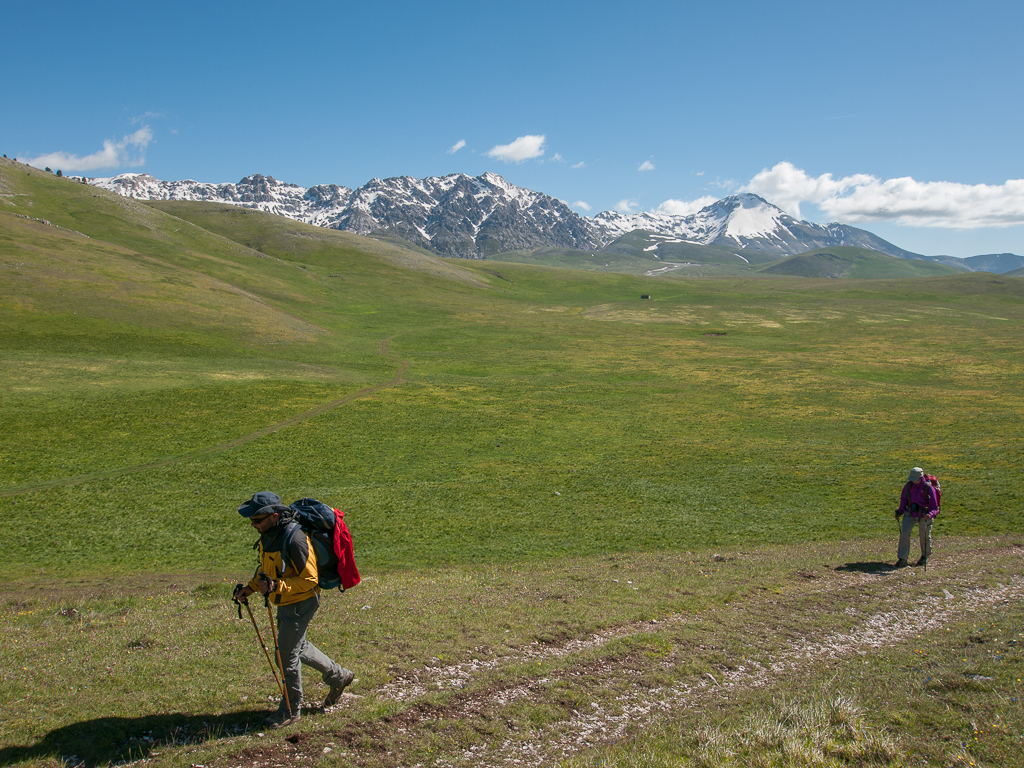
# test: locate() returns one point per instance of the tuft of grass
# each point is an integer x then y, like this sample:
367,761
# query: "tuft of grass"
821,733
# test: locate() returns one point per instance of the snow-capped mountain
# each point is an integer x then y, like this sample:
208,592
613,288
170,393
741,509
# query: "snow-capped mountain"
321,205
452,215
459,215
751,222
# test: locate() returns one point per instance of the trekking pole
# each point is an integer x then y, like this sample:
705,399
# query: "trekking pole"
266,651
273,632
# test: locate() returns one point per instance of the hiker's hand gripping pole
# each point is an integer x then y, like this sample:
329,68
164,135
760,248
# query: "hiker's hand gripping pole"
240,601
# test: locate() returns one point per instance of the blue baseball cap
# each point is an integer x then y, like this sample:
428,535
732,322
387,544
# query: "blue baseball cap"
258,502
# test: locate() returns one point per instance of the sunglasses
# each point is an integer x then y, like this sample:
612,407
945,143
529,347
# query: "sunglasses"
258,520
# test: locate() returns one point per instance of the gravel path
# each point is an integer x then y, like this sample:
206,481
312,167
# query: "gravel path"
913,609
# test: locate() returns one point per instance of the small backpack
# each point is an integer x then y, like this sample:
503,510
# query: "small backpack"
933,481
332,543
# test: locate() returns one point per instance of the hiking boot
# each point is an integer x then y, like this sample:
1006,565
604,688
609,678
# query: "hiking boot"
347,676
922,561
901,563
281,718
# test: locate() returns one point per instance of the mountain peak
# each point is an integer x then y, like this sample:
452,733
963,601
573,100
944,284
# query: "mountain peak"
493,178
749,199
477,217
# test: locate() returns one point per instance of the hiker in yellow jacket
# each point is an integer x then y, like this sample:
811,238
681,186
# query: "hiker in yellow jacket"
287,575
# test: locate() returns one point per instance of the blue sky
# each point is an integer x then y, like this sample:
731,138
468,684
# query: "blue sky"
903,118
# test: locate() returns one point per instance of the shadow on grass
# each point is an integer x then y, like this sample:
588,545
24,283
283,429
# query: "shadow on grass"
872,567
108,740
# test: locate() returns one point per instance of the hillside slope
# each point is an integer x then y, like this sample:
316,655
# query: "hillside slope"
643,253
849,262
87,264
998,263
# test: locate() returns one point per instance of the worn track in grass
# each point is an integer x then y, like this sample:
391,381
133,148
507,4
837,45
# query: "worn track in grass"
879,609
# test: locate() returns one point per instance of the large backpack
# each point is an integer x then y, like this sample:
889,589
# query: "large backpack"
332,543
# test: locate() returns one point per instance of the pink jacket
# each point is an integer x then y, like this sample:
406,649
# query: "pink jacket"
919,500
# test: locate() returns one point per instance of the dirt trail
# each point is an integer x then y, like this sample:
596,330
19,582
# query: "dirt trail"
914,603
882,608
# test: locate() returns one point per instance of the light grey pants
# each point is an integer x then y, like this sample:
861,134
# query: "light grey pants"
924,529
292,621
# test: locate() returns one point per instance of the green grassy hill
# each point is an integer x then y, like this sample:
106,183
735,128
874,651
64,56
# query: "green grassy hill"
567,258
641,253
849,262
661,248
593,527
644,253
183,353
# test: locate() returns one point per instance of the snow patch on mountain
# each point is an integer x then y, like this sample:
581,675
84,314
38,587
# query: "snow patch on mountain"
752,218
457,215
319,205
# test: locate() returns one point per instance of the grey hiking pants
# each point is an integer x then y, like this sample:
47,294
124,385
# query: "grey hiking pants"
924,529
296,650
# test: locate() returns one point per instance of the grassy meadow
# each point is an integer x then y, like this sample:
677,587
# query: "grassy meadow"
501,437
643,253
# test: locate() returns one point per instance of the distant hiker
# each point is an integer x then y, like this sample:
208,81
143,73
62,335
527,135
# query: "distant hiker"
287,575
919,503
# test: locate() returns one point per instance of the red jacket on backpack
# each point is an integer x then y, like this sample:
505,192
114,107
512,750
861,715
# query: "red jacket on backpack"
341,543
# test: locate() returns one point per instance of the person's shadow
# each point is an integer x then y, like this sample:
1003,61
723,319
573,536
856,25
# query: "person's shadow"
871,567
111,740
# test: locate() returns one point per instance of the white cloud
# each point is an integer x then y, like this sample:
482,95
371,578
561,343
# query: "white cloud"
787,186
728,185
684,207
580,164
581,204
626,206
557,158
456,146
129,151
523,148
905,201
145,117
646,165
932,204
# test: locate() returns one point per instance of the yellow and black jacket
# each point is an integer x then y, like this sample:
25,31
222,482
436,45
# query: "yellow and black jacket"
286,556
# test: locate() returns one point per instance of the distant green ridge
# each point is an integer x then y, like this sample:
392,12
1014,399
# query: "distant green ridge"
851,262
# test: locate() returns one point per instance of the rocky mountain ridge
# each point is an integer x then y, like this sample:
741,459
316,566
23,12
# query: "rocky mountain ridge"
482,216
